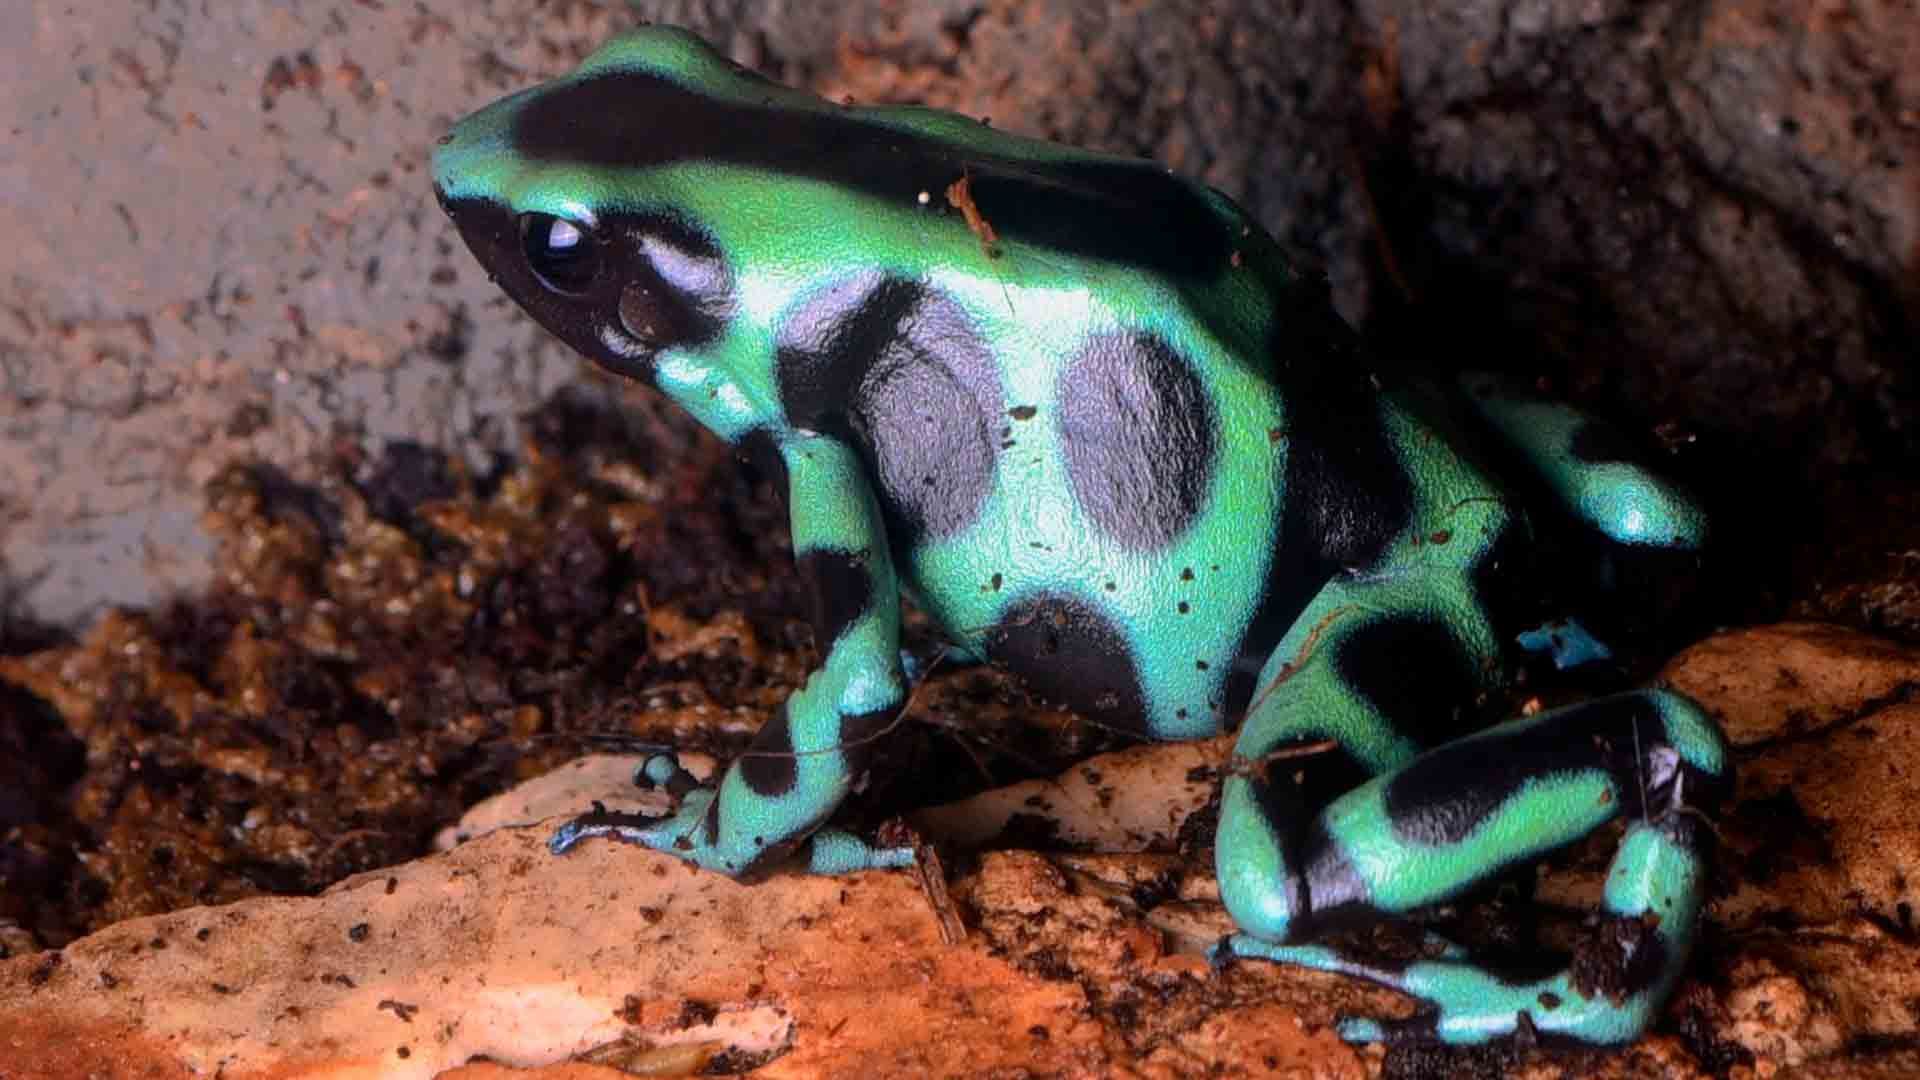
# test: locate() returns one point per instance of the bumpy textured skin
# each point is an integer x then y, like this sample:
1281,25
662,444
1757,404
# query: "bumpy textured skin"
1112,441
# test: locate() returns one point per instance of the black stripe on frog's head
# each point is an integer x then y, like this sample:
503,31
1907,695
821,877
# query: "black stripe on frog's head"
658,98
620,287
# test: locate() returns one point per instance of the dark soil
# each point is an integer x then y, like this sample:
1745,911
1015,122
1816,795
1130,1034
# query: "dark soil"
405,638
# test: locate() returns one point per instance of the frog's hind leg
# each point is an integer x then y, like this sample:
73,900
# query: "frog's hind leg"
1459,814
1362,684
1366,678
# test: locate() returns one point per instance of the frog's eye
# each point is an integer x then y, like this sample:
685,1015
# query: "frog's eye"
561,253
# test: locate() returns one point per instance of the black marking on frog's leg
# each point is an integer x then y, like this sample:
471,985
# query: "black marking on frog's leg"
1294,790
1346,484
1269,797
859,730
1345,499
1333,895
768,766
1413,671
1432,802
758,449
637,119
901,372
840,588
709,829
1137,433
1068,651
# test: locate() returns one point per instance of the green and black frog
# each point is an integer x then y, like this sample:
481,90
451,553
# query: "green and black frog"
1094,422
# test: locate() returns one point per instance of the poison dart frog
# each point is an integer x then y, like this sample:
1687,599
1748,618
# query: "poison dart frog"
1094,421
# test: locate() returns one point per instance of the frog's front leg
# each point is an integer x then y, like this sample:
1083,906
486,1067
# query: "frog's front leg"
810,754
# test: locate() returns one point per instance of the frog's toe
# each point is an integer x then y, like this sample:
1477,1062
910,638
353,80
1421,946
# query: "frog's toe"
1318,957
670,833
1420,1029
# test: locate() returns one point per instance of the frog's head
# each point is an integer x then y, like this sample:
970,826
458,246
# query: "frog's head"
566,195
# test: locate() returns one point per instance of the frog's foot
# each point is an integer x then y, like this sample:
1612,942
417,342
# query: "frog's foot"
662,832
1608,995
693,832
1464,1003
1468,1004
837,851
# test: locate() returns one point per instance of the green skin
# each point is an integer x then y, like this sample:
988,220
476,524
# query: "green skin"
1119,446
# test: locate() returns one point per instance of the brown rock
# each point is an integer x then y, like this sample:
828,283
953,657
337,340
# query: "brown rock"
614,961
1766,682
496,950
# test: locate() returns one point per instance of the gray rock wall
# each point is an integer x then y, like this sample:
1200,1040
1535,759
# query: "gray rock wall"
220,240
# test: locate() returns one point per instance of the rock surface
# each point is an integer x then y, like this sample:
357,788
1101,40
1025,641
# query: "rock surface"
614,961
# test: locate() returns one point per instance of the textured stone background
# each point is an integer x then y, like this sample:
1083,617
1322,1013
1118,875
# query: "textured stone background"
220,240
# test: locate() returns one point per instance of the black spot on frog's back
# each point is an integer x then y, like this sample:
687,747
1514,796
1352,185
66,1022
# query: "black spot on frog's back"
1138,432
1068,651
900,370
